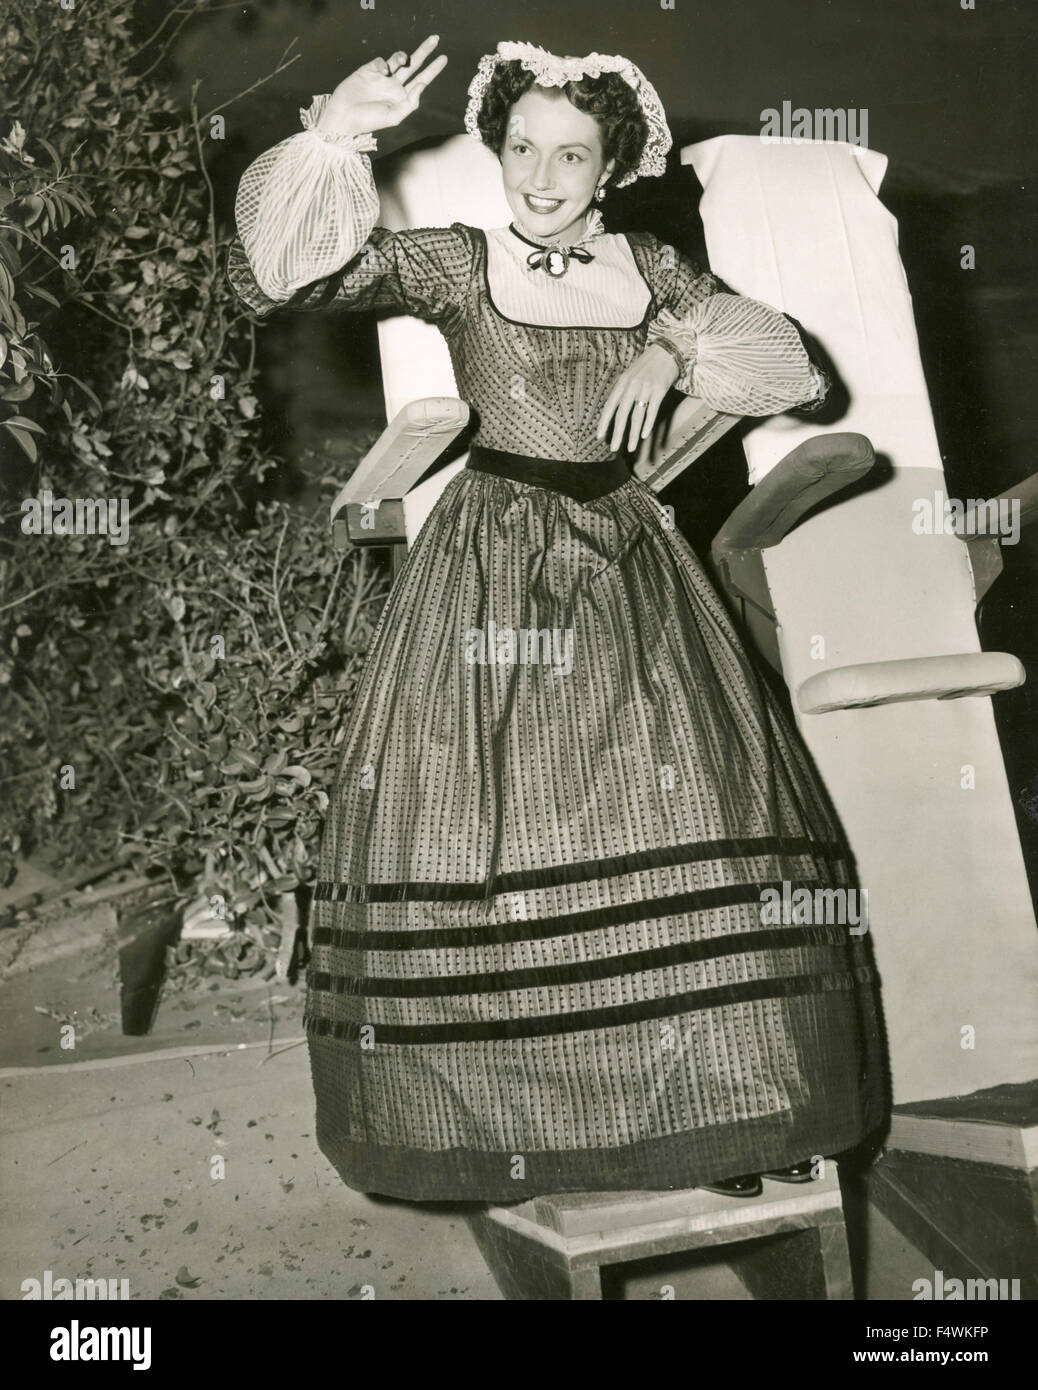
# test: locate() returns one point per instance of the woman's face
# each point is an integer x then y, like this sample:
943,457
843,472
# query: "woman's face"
551,162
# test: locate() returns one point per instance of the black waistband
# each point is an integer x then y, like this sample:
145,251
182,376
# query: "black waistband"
581,481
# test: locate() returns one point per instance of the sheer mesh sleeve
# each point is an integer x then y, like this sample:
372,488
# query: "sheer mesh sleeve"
307,239
739,355
304,208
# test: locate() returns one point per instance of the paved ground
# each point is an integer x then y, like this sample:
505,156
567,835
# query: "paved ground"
185,1161
199,1178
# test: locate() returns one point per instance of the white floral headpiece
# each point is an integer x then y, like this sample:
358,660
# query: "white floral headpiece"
552,71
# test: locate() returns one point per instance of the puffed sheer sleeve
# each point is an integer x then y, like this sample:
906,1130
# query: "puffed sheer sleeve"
306,212
738,355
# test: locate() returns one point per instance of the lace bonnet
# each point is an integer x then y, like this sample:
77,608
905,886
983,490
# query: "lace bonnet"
552,71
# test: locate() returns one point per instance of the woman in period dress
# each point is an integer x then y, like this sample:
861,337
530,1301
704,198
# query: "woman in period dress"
539,957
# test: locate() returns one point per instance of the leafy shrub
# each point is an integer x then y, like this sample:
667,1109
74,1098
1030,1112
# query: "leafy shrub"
194,679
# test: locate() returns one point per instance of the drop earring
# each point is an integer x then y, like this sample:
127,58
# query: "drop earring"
599,194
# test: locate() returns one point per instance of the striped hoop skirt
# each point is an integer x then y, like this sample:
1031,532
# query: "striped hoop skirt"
540,960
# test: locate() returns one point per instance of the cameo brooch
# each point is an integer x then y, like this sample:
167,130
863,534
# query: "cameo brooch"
554,259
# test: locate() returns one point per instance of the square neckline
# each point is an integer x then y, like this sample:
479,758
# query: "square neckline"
646,318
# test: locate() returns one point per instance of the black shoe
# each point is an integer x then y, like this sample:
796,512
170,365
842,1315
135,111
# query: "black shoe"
796,1172
749,1185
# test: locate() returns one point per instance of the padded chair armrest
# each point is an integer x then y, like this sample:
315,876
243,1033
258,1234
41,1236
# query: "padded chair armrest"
1025,494
693,430
984,541
821,466
369,510
911,678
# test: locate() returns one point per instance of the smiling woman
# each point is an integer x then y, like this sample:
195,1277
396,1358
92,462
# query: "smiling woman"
540,960
553,163
595,133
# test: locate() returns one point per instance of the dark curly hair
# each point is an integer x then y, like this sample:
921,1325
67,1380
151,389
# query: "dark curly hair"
607,98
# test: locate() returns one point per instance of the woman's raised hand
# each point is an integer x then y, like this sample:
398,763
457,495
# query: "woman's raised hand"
381,93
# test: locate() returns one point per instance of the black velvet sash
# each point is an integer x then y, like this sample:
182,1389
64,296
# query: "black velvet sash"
581,481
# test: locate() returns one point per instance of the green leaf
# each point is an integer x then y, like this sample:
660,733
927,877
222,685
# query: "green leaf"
34,206
40,293
54,156
20,392
86,391
23,439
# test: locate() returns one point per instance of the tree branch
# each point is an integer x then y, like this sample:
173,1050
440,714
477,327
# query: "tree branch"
282,65
277,600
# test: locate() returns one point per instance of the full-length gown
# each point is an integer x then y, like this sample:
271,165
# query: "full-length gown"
540,961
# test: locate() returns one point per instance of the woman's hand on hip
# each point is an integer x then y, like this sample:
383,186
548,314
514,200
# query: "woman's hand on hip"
381,93
636,397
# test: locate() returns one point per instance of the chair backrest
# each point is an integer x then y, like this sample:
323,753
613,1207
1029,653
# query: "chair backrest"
920,787
431,185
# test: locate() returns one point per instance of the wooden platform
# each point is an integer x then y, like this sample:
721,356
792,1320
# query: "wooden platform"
959,1179
789,1243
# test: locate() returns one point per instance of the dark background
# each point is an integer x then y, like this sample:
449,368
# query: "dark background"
952,99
